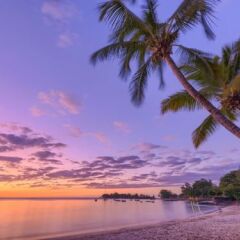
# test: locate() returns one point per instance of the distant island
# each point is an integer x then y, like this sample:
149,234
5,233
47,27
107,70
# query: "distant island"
127,196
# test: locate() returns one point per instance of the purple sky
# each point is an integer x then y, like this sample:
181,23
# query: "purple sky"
48,85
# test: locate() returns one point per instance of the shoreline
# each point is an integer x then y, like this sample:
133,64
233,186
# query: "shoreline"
162,230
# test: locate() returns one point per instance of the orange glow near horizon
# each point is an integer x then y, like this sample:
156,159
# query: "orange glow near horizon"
25,192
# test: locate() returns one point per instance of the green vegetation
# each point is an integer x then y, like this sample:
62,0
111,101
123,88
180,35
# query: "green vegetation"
149,44
167,195
230,185
202,189
229,188
126,196
219,83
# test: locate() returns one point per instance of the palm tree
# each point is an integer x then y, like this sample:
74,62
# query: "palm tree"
151,43
223,87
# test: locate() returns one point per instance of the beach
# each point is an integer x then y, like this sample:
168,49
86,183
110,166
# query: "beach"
221,225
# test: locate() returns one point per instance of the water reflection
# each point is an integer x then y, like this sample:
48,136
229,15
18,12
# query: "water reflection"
27,218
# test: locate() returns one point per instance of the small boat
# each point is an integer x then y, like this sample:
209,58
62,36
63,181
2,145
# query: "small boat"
124,201
207,203
95,199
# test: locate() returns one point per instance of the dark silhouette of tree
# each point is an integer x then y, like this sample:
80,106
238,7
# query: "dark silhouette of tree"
200,189
230,185
126,196
166,194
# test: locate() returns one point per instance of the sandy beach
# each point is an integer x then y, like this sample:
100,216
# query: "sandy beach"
221,225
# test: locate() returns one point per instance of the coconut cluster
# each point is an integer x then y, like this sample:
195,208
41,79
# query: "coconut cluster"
232,102
161,47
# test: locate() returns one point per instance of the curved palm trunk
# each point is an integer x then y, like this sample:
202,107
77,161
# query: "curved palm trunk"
216,114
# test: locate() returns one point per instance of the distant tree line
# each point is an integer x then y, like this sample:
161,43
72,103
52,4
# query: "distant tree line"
166,194
126,196
229,187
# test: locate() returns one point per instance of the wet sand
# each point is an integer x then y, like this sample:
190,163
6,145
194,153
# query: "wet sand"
221,225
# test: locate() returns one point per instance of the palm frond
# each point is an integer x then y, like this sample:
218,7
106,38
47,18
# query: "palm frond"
236,46
139,83
125,68
115,50
130,55
207,16
198,73
193,57
235,64
230,61
121,18
179,101
226,55
188,55
160,70
193,12
208,127
205,130
150,15
180,20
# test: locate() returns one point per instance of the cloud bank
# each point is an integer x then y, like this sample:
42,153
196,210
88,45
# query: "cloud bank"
37,161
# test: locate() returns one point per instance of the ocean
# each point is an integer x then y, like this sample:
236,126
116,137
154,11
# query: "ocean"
39,218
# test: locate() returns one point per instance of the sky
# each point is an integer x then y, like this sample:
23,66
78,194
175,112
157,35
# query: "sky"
69,129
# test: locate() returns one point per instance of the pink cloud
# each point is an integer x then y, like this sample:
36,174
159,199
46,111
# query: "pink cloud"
60,101
15,127
169,138
58,10
66,40
101,137
37,112
60,13
74,131
46,97
147,147
68,103
121,126
78,133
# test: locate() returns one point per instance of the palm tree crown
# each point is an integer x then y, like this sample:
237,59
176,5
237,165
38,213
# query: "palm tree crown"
222,87
147,40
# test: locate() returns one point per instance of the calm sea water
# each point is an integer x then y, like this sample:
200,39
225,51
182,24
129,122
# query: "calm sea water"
23,219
